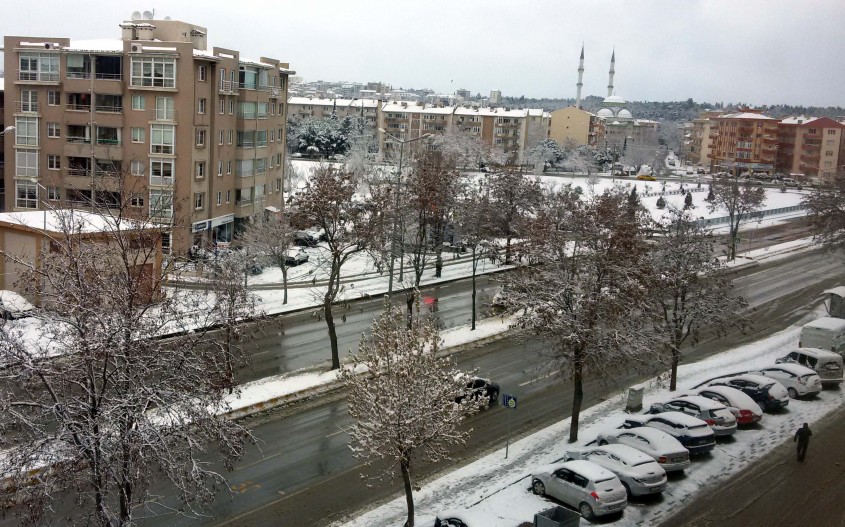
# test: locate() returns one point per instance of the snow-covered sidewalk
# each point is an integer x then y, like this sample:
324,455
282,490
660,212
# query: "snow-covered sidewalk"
501,486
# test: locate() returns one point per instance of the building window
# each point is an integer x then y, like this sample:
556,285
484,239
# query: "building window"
272,136
199,197
136,200
164,109
828,153
220,138
811,131
136,168
54,130
201,73
29,101
229,166
161,139
54,194
228,196
201,137
278,184
26,163
26,195
161,204
42,67
201,106
54,162
157,72
245,167
230,136
219,168
222,77
53,98
138,135
139,102
221,106
26,131
200,169
219,198
161,171
231,107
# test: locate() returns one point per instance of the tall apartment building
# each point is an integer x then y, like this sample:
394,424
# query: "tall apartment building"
574,124
196,136
700,141
743,141
810,146
321,107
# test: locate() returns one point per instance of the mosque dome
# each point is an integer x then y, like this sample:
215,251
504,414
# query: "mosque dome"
624,114
605,112
614,100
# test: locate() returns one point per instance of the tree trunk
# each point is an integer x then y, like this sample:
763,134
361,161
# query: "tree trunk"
285,283
676,358
409,301
334,284
405,464
577,398
473,289
508,249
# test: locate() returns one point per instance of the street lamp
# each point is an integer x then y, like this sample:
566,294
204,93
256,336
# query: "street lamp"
7,130
396,202
43,202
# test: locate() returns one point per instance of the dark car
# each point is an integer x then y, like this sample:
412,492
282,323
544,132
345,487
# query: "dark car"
306,238
768,393
693,433
479,388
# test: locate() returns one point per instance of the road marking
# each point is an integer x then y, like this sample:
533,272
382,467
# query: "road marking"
262,460
341,431
546,376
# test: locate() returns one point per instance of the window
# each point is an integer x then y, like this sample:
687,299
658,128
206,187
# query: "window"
42,67
161,204
201,137
136,200
248,77
54,194
201,74
54,162
220,137
219,168
828,153
161,139
199,197
53,98
138,135
245,167
222,77
272,136
164,109
26,195
278,184
201,106
831,132
54,130
260,165
156,72
26,131
138,102
219,198
811,130
136,168
228,196
231,107
221,106
200,169
26,163
161,171
29,101
230,136
229,167
261,138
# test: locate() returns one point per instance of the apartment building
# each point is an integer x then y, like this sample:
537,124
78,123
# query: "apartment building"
321,108
810,146
699,141
192,136
574,124
743,141
2,147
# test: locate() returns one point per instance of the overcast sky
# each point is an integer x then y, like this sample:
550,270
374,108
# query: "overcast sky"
752,51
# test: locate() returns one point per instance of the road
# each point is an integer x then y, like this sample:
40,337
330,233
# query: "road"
778,490
303,458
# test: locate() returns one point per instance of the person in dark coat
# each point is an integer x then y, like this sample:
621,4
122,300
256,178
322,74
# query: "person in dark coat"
802,437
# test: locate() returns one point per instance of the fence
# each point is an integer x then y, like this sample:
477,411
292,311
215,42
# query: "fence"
709,222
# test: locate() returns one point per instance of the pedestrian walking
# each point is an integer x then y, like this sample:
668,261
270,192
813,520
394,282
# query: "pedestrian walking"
802,437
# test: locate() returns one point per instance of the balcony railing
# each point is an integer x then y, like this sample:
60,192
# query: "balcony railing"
38,76
108,141
109,76
228,86
160,114
109,108
78,107
26,107
78,139
78,172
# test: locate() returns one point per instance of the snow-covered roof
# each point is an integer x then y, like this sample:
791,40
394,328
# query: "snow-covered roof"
745,115
795,369
704,402
605,112
830,323
55,220
256,63
614,99
798,119
204,53
102,45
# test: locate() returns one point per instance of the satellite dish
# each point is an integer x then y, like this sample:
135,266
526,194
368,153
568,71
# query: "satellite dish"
148,15
136,15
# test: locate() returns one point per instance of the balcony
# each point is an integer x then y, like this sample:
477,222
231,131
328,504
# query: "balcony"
46,77
161,114
26,107
228,87
109,109
77,107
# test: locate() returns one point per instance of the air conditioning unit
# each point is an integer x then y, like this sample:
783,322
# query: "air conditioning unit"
136,48
51,45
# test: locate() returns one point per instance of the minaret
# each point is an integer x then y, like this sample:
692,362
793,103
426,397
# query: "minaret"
580,78
612,71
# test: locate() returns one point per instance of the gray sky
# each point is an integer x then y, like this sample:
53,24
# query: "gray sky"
753,51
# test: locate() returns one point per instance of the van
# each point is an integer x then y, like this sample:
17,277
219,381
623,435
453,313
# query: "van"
826,363
827,333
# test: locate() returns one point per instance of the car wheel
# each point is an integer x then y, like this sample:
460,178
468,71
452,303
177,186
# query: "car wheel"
627,489
793,393
538,488
586,511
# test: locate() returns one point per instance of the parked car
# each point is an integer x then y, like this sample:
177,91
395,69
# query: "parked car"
478,388
743,407
466,518
14,306
788,181
693,433
305,238
296,256
715,414
639,473
826,363
768,393
798,380
593,490
669,453
646,177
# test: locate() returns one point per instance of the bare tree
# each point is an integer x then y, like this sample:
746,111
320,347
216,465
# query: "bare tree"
691,292
405,406
466,149
329,202
826,210
91,398
584,300
270,238
740,200
514,196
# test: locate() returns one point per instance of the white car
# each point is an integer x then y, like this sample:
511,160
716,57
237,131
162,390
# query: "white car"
466,518
768,393
639,473
593,490
662,447
798,380
715,414
13,305
692,432
746,410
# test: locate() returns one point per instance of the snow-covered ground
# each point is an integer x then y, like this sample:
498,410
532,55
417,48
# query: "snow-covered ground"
501,486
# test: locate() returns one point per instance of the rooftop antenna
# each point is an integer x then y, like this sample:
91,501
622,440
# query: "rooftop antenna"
136,15
148,15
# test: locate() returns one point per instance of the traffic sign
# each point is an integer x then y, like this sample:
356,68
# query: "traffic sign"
509,401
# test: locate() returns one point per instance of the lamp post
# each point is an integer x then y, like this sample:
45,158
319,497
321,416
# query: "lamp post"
44,201
396,202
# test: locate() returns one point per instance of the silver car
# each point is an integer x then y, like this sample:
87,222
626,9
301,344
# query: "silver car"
593,490
639,473
662,447
714,413
798,380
